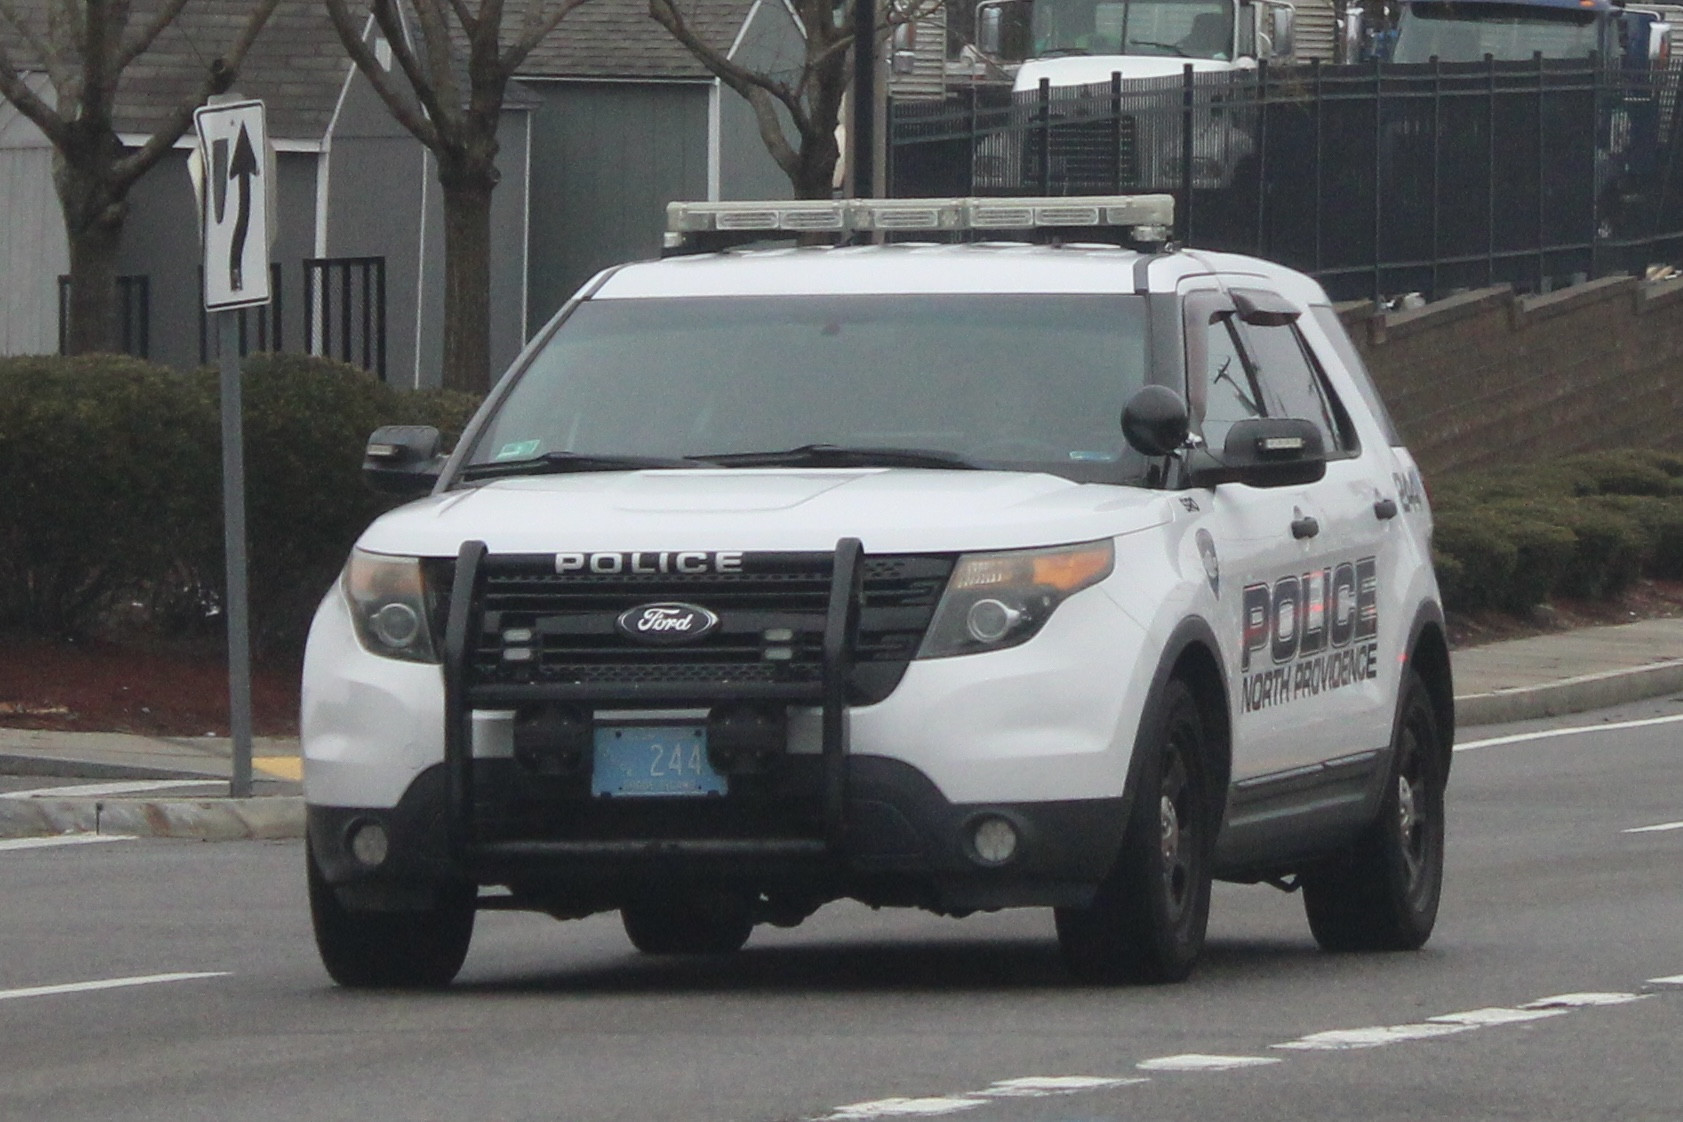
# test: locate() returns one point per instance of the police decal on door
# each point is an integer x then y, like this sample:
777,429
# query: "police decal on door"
1319,630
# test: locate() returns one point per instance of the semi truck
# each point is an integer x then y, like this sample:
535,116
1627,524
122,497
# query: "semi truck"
1068,61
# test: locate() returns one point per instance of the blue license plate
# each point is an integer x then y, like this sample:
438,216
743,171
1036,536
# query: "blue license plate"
653,761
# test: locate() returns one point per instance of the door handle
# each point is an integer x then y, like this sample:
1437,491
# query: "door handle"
1305,527
1385,509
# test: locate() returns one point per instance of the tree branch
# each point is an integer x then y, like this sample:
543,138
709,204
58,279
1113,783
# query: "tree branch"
148,35
727,70
538,28
45,49
401,109
15,90
219,75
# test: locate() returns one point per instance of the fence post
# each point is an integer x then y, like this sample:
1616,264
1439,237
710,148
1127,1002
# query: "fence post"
1437,169
1183,213
1315,84
1261,151
1045,115
1116,131
1378,168
1542,167
1490,173
1598,77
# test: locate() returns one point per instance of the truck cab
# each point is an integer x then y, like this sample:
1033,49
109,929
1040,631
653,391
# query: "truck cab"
1471,30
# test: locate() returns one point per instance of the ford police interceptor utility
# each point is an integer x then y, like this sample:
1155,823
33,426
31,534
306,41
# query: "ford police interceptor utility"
963,574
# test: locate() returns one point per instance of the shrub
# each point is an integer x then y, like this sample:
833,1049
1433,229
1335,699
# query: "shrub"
1474,558
111,489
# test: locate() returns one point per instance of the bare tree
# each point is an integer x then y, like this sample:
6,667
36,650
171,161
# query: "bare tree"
808,93
459,126
84,46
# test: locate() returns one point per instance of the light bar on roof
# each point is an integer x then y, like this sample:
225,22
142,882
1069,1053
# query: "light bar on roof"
1150,215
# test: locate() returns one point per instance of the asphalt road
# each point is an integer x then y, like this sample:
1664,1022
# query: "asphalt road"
862,1015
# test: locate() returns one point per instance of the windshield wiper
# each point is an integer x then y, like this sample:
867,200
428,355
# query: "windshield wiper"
556,463
838,455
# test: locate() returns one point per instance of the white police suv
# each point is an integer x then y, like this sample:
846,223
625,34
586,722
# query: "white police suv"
961,575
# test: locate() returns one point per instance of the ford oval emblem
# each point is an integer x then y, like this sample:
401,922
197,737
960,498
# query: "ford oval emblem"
666,623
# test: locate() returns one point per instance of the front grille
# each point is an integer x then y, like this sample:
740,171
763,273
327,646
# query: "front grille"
537,627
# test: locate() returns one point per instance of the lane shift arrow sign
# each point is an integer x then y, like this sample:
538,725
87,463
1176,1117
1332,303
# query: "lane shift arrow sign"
242,168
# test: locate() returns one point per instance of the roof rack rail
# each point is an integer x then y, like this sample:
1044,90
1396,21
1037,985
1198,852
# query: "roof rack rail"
1143,220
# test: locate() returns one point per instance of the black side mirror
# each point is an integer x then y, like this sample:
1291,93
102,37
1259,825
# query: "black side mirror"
402,459
1155,421
1268,452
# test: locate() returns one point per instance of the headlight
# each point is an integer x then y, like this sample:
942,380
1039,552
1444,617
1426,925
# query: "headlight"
388,602
998,600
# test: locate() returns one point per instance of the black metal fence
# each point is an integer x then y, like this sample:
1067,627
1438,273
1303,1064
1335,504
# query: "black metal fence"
260,326
1378,179
134,315
345,310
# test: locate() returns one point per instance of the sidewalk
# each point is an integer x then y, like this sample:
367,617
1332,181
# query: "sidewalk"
178,787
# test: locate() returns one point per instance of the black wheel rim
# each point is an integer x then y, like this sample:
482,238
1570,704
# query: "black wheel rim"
1416,813
1178,823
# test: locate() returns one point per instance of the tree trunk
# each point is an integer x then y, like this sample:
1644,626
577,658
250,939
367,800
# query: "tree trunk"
467,274
93,224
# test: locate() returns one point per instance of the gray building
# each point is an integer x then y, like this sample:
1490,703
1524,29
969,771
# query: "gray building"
610,119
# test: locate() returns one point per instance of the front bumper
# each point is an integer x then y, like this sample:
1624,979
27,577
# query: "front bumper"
903,844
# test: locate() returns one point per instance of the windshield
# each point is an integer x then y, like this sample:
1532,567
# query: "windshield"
1032,382
1177,28
1506,32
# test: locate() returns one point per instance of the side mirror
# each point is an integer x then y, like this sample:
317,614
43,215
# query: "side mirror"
990,28
903,59
1155,421
1283,45
402,459
1267,452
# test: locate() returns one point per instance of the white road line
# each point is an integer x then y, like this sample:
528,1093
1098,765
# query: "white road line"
1584,1000
108,984
1193,1061
1344,1040
60,839
1039,1086
1662,827
1576,730
100,790
1336,1040
1483,1018
902,1108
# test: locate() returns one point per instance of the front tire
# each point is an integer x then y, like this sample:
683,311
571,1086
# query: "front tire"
701,924
1384,897
1147,922
396,950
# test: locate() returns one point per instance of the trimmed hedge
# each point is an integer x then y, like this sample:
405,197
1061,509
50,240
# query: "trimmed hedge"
1583,526
111,489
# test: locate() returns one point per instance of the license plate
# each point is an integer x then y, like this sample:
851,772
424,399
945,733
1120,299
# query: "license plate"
653,761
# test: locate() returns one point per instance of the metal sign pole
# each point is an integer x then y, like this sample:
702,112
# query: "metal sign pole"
233,539
233,173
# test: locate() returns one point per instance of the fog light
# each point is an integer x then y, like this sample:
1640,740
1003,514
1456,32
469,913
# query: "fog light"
396,625
991,620
994,840
369,844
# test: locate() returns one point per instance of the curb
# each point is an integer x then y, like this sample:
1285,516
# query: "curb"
262,818
47,767
1572,695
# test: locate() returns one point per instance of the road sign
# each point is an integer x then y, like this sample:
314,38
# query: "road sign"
234,204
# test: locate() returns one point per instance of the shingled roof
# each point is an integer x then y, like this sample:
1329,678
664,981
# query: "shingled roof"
618,39
296,65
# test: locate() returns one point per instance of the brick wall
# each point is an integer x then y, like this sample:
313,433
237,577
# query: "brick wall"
1487,378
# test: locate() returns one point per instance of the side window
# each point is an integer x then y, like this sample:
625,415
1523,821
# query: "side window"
1292,383
1230,392
1219,388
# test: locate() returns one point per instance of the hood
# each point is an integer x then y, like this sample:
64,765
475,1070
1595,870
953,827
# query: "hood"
1093,70
892,510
